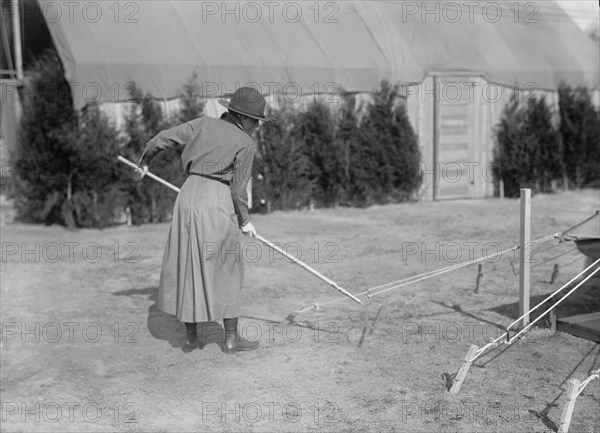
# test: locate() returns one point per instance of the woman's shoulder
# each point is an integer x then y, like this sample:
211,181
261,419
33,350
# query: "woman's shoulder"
221,129
207,123
215,122
228,127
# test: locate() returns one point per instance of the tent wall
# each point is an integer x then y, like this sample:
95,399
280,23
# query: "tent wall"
368,41
9,127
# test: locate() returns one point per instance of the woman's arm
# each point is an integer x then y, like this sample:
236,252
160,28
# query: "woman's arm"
242,171
173,137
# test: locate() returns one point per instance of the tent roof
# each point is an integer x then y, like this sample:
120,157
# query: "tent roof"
349,45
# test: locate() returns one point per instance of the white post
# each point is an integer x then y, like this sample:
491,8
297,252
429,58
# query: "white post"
16,25
524,255
567,413
17,45
464,369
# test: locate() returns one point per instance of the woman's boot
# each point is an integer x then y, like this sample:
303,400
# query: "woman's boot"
233,341
191,338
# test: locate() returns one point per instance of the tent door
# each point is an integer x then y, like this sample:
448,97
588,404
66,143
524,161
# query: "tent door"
453,142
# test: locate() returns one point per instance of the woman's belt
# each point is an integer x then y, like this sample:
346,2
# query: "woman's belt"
218,179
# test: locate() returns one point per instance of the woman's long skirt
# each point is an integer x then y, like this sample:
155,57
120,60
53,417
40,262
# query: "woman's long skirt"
202,268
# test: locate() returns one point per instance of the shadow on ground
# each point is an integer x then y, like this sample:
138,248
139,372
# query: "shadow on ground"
166,327
543,414
583,301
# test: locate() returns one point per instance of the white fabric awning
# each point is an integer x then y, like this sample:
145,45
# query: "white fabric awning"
307,47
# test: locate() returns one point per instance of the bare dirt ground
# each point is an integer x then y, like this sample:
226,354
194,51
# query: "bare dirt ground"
84,347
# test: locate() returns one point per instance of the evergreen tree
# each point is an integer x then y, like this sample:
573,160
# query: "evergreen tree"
511,163
47,149
528,152
389,153
281,166
99,190
406,156
580,132
149,201
544,147
347,144
192,106
314,129
66,162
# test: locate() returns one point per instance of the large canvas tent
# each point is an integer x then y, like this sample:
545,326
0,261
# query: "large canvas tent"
310,46
459,61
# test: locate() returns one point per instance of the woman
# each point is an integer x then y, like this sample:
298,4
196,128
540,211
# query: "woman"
202,268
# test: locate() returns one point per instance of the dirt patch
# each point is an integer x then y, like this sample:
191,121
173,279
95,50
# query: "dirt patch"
84,347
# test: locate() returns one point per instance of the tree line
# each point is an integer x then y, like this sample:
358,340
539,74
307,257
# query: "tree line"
324,155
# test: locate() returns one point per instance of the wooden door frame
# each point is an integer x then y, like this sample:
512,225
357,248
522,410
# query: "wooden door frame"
436,75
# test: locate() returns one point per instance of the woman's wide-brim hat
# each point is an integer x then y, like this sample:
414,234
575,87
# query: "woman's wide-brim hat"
247,101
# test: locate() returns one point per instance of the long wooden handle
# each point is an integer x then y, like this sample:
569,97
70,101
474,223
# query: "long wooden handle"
309,269
150,175
260,238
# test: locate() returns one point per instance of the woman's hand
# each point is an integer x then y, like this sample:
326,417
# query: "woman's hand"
143,167
249,230
143,171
